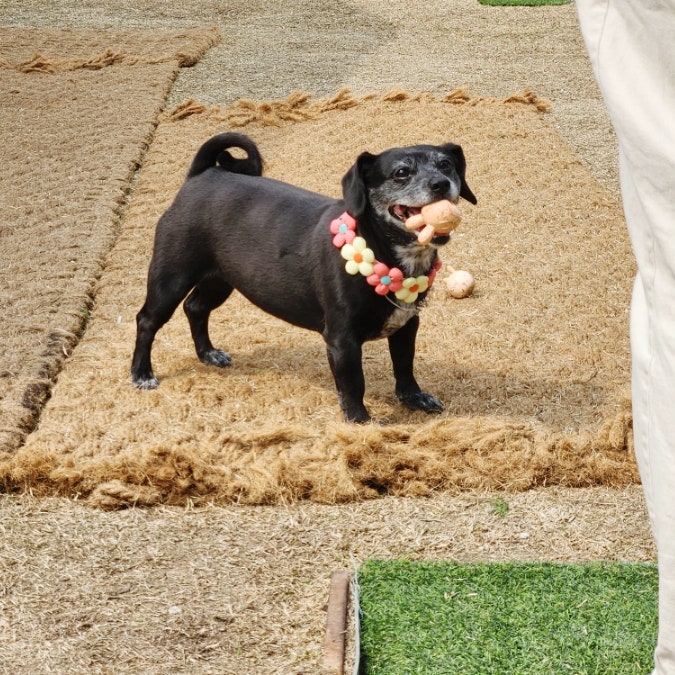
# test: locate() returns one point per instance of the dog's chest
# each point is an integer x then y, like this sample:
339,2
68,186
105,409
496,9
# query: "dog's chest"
415,260
397,319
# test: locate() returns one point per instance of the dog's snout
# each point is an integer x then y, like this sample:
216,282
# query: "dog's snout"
439,185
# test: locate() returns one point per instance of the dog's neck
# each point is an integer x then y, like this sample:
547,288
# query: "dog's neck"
415,260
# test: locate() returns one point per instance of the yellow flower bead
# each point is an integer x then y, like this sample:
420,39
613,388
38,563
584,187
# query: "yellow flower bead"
412,287
359,257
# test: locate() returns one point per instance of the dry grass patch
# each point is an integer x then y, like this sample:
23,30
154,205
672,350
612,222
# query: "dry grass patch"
242,589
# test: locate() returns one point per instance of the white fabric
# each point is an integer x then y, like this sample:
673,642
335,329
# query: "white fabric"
631,44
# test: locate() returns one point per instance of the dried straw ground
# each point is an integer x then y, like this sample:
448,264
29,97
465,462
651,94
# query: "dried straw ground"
66,173
533,368
241,589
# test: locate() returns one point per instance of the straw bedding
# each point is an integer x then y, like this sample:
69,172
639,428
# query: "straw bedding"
533,368
78,111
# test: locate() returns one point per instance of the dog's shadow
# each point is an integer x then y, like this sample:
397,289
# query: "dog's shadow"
465,392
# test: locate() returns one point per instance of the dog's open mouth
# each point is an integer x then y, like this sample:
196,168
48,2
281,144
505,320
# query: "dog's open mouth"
403,212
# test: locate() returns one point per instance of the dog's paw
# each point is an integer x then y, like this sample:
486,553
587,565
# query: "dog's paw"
358,417
353,411
216,357
421,401
145,383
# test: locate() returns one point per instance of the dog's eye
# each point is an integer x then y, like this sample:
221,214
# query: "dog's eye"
402,173
444,164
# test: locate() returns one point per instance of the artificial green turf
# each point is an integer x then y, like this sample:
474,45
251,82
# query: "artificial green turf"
433,618
526,3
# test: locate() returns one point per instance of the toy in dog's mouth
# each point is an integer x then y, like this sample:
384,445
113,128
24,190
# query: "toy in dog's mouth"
403,212
432,222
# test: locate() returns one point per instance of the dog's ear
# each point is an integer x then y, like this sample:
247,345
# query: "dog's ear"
455,151
354,190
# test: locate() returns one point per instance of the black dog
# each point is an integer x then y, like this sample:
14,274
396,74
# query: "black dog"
290,252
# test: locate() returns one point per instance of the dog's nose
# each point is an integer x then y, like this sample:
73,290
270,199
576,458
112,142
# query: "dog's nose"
439,185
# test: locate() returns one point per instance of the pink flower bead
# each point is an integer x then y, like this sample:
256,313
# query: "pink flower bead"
385,279
344,229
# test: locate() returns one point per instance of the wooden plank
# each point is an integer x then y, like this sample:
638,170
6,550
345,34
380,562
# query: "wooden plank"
336,623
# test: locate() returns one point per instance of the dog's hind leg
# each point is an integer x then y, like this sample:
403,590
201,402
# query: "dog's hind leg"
205,297
161,302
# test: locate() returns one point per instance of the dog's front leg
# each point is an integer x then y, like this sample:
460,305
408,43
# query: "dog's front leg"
344,357
402,351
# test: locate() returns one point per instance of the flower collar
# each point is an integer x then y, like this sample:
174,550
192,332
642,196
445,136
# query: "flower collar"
361,260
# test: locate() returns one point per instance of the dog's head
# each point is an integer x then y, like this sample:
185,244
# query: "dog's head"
399,182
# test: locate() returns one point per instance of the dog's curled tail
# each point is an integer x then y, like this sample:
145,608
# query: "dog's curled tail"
215,152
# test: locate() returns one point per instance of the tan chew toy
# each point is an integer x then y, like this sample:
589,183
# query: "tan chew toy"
460,283
439,217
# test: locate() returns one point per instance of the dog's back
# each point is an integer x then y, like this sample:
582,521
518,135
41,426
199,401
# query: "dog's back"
215,153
